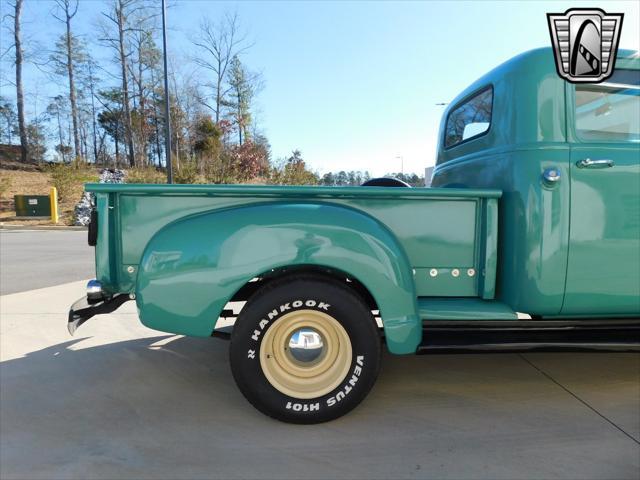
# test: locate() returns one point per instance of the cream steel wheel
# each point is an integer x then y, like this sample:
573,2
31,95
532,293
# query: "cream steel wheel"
306,354
305,348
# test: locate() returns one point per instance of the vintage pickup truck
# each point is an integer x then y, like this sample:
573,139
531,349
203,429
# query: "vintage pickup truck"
529,238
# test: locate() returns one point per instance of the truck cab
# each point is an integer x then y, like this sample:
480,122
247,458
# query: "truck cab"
567,160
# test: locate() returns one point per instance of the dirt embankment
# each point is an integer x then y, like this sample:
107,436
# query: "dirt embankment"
20,179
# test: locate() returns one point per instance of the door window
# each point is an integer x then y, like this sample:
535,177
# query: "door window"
609,111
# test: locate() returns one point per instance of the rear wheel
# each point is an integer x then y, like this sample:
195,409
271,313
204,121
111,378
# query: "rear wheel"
305,349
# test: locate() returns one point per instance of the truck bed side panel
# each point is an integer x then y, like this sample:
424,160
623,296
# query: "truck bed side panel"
441,233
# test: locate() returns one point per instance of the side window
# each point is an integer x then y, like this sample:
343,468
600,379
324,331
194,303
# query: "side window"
470,119
610,111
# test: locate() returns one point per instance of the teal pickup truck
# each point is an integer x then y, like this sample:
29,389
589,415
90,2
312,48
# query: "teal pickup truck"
528,238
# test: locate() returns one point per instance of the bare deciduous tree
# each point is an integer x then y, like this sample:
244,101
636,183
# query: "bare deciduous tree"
220,43
55,110
110,119
19,58
68,10
144,62
91,83
9,118
118,15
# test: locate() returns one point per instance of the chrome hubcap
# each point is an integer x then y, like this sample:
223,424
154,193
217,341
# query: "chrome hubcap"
306,346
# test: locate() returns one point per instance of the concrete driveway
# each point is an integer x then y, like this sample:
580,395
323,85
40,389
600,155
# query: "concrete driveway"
122,401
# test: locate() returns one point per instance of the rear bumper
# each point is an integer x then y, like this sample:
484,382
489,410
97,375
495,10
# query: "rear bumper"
83,309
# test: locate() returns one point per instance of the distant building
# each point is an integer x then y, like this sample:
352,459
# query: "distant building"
427,176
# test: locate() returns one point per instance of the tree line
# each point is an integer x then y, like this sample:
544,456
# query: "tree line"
111,112
354,178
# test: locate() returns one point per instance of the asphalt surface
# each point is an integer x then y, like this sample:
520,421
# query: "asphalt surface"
119,400
42,258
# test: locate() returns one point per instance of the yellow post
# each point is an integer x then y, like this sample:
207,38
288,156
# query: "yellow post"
53,197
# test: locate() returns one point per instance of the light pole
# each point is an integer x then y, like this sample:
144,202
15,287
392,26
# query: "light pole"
167,111
401,164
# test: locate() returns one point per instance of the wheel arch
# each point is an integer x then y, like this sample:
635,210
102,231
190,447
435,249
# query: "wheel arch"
195,265
262,280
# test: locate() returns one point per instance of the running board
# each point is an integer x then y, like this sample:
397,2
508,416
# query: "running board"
452,308
536,335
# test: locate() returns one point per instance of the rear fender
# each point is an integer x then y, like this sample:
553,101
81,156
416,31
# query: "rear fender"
192,267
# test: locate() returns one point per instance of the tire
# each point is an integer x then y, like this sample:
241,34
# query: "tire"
385,182
305,349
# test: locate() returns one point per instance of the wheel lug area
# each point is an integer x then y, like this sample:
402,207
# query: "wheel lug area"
305,346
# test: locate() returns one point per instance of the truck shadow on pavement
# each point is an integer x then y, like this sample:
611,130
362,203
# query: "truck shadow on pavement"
167,406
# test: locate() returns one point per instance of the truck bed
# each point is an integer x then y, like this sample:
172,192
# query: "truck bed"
449,235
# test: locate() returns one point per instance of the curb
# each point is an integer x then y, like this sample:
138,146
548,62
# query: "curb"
41,227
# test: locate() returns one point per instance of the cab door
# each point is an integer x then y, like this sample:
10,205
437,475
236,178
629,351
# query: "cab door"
603,270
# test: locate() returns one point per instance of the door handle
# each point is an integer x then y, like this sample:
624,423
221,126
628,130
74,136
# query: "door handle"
588,163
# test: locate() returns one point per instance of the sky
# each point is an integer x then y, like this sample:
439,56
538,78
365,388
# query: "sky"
352,85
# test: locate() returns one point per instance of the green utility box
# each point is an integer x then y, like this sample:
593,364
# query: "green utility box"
32,205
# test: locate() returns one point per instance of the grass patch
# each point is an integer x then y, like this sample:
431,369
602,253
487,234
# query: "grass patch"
5,185
145,175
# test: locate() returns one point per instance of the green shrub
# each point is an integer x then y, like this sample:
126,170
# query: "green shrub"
5,185
145,175
187,173
291,173
69,179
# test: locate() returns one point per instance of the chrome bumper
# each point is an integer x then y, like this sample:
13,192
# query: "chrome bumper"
93,304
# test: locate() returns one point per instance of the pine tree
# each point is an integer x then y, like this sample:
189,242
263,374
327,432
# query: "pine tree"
242,86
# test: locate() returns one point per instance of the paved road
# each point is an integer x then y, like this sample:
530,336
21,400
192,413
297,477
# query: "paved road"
42,258
122,401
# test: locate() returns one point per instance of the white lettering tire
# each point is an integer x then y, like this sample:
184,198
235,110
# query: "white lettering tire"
305,349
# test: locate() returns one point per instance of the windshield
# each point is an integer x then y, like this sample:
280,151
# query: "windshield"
610,111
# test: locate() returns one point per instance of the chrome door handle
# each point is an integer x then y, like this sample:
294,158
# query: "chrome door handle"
588,163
